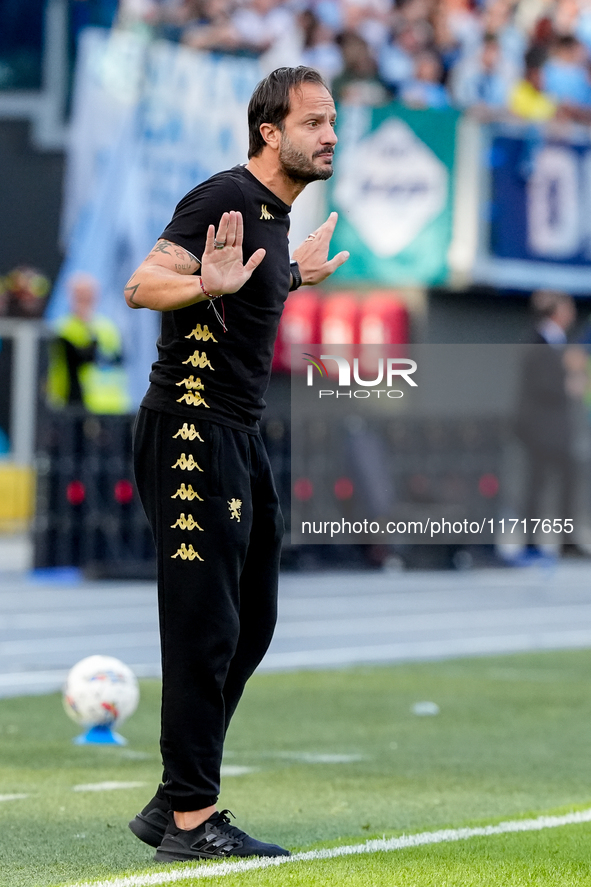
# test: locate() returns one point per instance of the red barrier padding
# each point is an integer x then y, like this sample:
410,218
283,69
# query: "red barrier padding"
339,319
384,319
300,325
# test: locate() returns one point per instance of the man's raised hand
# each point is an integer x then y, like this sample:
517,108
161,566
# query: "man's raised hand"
312,254
222,270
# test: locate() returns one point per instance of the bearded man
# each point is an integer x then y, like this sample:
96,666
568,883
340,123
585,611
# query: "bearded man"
201,468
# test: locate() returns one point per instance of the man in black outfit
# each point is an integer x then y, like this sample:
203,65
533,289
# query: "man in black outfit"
544,422
201,468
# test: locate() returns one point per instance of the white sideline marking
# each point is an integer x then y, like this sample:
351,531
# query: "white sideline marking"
12,797
312,758
105,786
219,869
236,770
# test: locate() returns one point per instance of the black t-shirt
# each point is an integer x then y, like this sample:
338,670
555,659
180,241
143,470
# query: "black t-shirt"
201,370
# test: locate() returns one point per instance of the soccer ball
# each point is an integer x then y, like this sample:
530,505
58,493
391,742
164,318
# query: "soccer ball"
100,690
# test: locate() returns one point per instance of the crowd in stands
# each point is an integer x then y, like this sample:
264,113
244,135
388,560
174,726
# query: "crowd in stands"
531,58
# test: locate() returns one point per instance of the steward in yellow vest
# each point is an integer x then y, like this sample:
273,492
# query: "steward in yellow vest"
85,367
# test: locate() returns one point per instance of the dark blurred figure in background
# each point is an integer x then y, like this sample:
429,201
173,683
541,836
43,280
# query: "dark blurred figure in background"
544,421
320,49
483,80
85,367
527,99
425,89
565,74
358,83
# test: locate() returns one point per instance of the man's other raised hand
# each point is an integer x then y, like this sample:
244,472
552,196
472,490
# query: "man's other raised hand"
312,254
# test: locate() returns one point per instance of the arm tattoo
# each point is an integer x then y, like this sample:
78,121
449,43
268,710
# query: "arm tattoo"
130,292
161,247
186,260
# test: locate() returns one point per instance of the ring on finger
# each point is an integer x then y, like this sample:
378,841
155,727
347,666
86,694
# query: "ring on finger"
311,237
218,244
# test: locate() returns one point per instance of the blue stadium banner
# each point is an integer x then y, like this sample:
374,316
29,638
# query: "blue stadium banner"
536,209
392,189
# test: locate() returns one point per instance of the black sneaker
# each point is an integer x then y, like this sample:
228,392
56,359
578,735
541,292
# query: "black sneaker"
216,838
149,825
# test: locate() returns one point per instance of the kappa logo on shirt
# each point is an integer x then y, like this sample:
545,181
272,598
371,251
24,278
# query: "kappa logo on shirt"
265,214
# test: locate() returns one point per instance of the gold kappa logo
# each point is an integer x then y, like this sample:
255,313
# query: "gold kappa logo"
188,433
235,505
187,554
186,523
184,492
189,397
186,464
192,400
200,360
201,334
265,214
192,383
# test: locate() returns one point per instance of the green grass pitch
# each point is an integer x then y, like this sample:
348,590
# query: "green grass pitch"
321,759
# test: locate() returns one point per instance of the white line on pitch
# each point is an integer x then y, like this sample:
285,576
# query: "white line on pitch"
219,869
105,786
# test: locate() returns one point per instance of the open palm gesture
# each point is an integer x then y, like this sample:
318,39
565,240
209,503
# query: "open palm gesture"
222,270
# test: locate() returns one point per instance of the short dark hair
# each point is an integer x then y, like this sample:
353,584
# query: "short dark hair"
270,101
535,57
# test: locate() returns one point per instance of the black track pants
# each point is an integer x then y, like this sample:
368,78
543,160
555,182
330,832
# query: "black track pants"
210,499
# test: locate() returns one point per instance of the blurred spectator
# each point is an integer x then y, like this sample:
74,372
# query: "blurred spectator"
425,89
582,28
444,40
330,13
369,19
169,19
499,19
261,23
133,12
212,29
527,98
320,49
23,292
462,23
432,52
164,17
85,368
565,16
359,82
396,60
554,314
253,27
565,75
483,78
544,420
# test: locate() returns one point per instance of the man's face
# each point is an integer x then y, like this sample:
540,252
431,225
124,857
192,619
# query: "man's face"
565,314
308,137
83,297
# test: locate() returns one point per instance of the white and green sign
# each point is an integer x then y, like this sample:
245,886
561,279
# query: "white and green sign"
392,189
